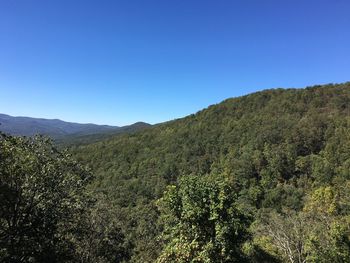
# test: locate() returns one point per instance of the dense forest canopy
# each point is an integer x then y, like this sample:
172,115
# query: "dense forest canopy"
275,148
259,178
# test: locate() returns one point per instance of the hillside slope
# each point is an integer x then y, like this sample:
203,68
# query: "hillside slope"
81,138
275,146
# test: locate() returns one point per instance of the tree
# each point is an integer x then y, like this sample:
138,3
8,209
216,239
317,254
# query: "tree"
327,211
274,146
46,214
100,239
287,232
41,191
202,222
318,233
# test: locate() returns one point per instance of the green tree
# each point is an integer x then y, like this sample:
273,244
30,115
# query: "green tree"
274,147
41,190
284,232
46,213
327,211
99,238
202,222
318,233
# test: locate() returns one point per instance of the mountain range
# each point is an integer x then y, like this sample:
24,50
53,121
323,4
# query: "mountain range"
58,129
262,178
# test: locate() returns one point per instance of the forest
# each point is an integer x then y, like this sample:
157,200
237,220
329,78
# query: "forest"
259,178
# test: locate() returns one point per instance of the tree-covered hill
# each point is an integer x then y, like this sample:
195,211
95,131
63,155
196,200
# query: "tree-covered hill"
281,151
81,138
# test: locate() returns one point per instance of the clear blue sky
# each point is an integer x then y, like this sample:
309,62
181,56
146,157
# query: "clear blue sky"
118,62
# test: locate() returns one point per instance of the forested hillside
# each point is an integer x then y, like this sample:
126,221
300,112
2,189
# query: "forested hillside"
285,154
81,138
259,178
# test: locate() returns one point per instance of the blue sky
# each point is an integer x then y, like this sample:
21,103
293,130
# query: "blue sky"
118,62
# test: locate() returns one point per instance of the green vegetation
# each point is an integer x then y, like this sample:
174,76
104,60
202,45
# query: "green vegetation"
81,138
202,222
259,178
46,213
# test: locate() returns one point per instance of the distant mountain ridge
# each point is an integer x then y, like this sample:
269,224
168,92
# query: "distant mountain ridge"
58,129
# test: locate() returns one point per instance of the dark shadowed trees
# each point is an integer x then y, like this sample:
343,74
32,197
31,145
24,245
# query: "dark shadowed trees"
44,207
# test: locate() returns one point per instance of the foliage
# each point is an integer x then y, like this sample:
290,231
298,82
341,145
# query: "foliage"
40,190
286,232
99,237
273,146
329,223
202,222
44,206
318,233
284,153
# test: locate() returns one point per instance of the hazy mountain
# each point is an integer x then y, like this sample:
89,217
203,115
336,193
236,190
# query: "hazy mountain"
58,129
79,138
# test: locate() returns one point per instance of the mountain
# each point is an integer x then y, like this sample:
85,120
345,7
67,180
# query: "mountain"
276,147
259,178
59,129
80,139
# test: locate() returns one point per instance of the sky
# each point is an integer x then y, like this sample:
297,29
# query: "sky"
122,61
